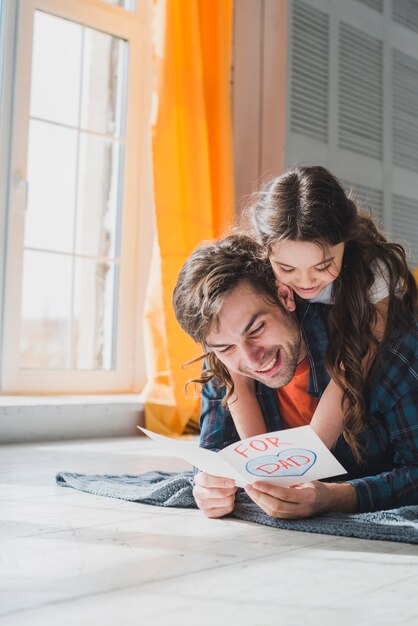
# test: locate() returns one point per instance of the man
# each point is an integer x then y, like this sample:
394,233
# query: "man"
226,299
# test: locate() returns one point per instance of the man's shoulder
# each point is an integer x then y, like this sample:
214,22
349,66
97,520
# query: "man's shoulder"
403,345
313,318
307,310
217,428
398,363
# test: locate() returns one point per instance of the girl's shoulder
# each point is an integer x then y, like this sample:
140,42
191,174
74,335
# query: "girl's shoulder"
381,286
378,291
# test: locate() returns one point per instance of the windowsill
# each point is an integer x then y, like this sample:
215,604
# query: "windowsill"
125,398
51,418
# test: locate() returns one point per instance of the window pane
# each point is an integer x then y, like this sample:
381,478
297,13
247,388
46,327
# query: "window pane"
55,335
94,315
46,311
104,74
56,69
2,48
98,196
52,162
75,176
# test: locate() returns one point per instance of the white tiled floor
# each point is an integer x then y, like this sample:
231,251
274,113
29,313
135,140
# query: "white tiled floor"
70,558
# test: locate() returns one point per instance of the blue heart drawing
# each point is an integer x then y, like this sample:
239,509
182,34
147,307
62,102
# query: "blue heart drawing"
291,462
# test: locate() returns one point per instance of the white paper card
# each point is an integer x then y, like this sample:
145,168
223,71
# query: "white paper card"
284,457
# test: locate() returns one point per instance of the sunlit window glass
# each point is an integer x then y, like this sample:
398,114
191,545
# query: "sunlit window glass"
75,175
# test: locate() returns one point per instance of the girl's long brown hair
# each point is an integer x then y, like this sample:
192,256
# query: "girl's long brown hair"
310,204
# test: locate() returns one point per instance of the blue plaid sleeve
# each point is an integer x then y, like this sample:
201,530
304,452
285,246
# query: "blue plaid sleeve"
399,486
393,427
217,428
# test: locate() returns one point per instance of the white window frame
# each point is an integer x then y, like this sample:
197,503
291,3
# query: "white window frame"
129,375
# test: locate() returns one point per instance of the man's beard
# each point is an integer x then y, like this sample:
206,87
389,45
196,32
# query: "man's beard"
288,362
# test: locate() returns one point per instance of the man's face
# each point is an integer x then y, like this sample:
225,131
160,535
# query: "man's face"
257,338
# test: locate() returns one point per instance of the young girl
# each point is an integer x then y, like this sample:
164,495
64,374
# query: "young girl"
327,251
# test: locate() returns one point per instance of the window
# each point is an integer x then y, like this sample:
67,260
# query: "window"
78,179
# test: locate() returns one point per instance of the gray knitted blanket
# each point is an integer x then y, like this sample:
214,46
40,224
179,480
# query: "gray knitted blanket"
175,490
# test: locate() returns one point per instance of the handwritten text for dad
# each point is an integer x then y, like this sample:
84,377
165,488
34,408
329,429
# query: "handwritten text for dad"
288,462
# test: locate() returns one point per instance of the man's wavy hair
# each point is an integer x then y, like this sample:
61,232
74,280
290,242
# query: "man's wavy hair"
310,204
209,275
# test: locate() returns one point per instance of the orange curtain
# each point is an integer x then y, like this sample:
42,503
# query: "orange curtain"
193,188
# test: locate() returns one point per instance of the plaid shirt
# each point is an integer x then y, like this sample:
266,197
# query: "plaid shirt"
388,474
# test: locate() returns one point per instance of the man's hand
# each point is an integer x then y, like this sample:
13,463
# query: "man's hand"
303,500
214,496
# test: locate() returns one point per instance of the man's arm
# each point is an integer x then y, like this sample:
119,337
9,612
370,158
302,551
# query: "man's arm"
214,496
398,487
217,429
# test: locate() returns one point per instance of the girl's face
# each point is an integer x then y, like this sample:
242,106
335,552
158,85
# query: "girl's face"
305,266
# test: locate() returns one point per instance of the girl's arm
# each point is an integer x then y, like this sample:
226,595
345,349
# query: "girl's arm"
244,407
381,317
327,420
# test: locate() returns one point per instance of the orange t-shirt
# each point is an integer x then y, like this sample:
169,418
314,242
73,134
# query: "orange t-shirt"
295,403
